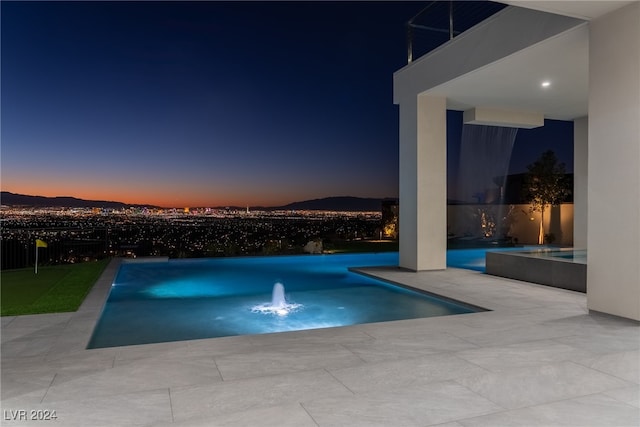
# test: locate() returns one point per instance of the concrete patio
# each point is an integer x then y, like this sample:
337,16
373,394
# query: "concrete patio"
537,359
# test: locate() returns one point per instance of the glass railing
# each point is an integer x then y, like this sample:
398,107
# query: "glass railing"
441,21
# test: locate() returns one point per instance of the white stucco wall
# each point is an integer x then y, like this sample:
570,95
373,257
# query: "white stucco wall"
521,224
408,184
580,185
423,183
613,272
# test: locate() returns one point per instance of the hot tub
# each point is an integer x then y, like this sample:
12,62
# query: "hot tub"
560,268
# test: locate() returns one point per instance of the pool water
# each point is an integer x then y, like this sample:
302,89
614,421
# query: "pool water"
578,256
474,259
215,297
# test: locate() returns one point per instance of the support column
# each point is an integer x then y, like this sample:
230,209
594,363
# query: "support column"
613,271
423,183
580,167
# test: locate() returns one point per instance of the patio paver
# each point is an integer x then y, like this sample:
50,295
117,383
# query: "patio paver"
537,359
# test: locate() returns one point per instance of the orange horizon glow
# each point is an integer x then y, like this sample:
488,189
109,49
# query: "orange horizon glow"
167,192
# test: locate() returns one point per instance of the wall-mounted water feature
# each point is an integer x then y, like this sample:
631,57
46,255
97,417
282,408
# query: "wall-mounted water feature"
485,153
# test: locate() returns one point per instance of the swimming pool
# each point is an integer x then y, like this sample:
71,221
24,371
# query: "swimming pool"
215,297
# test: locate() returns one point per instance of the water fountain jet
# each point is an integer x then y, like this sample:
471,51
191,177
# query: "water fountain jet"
278,305
277,296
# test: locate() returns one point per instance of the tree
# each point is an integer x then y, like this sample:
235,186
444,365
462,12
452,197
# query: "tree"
545,184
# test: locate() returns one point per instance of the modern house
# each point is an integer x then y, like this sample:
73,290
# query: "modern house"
565,60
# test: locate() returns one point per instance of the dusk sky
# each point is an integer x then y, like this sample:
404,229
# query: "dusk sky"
209,103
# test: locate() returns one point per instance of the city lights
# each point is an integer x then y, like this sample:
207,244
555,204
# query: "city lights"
77,235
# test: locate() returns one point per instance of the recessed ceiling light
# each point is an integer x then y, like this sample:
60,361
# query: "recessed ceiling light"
545,83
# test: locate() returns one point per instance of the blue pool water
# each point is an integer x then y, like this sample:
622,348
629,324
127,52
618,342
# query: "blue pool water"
578,256
206,298
474,259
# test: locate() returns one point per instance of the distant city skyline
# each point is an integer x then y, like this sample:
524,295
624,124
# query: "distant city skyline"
206,103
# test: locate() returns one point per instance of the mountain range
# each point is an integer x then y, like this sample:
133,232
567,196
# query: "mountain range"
12,199
341,203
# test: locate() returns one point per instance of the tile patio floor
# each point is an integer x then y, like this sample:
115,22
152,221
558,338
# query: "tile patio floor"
537,359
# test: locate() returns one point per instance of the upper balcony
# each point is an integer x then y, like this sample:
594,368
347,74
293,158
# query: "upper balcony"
441,21
500,64
525,56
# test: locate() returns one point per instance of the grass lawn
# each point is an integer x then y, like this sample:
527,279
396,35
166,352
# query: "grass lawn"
54,289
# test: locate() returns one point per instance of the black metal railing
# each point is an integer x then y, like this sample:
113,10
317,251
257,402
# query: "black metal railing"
63,246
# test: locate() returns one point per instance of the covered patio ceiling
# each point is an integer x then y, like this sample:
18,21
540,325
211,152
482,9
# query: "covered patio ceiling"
550,77
516,82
